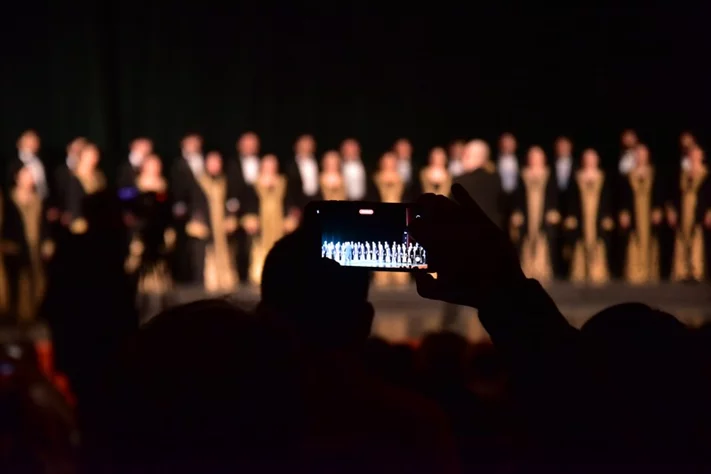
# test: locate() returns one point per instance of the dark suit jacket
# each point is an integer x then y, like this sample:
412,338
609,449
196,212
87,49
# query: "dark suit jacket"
126,177
296,185
62,177
484,186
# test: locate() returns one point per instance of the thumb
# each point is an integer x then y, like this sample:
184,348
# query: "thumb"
427,286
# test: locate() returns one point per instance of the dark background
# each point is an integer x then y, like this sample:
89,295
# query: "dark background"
113,70
387,224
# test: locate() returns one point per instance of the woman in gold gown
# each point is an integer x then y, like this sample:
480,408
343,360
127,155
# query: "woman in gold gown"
690,216
435,178
639,219
274,210
332,186
212,228
535,216
151,235
589,220
86,180
388,186
26,246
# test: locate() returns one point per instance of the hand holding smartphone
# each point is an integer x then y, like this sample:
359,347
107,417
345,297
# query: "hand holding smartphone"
367,235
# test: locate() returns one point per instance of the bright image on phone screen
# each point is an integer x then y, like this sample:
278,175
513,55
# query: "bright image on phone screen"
373,236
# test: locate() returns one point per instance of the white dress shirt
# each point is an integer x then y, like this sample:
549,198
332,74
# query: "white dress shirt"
404,169
136,159
563,170
626,162
508,170
32,163
250,168
196,163
685,163
354,179
455,168
71,162
308,169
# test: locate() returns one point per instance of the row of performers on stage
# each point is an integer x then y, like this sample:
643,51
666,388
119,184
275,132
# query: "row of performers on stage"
215,220
581,232
372,254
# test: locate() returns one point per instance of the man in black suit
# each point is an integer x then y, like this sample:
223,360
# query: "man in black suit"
303,172
481,181
242,172
28,146
129,169
63,172
564,171
184,175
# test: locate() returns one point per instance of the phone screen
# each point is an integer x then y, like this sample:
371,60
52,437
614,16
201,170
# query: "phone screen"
369,235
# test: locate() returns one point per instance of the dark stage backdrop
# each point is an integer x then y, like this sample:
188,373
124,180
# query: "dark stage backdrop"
114,70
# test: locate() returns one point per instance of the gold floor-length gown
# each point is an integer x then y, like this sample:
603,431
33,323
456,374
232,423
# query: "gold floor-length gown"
642,263
589,263
220,274
535,252
272,223
689,242
32,281
332,190
430,187
390,192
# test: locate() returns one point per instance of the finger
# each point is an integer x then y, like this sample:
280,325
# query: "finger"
426,285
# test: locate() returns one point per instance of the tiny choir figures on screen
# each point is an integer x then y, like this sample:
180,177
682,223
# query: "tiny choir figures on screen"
277,213
375,254
331,183
435,177
26,246
589,222
86,180
151,234
390,187
640,218
211,228
535,217
690,216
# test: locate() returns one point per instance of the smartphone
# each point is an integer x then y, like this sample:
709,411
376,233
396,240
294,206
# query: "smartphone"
367,235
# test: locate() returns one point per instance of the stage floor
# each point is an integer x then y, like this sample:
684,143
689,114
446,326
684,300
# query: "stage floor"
402,315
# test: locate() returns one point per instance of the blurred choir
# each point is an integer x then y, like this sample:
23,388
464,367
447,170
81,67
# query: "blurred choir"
214,220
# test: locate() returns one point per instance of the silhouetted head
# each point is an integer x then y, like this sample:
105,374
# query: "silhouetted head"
324,303
645,385
443,355
205,386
